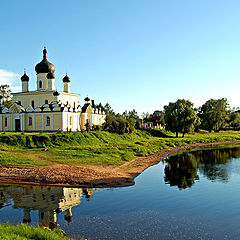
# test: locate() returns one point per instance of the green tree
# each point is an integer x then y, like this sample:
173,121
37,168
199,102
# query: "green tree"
6,95
213,114
160,114
131,114
117,124
99,106
106,108
180,117
133,118
233,119
146,116
157,113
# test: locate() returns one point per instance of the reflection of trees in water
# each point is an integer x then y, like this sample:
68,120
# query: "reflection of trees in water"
181,170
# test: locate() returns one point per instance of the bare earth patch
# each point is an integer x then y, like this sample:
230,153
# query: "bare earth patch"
88,176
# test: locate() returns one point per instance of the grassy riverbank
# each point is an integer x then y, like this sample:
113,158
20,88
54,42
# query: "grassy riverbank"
95,148
25,232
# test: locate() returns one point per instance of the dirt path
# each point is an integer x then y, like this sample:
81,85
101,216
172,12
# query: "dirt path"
88,176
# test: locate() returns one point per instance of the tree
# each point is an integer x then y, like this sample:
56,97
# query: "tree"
180,117
117,124
133,118
159,114
108,109
146,116
131,114
233,119
6,95
99,106
213,114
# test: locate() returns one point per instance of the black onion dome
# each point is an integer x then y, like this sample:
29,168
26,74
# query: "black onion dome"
87,99
50,75
66,79
45,66
24,78
56,93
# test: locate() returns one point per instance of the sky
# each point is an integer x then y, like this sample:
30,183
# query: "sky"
132,54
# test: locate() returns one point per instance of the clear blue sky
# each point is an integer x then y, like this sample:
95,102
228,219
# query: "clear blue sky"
137,54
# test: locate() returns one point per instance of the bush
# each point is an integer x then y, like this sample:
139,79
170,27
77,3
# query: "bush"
29,142
118,124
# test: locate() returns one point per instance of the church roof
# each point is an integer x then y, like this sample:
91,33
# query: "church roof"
16,107
87,99
66,78
45,66
50,75
85,107
24,78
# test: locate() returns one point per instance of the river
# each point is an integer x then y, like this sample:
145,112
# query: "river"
191,195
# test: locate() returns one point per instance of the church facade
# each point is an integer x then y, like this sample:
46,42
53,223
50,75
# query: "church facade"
46,109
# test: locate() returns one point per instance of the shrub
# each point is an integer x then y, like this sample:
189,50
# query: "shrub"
29,142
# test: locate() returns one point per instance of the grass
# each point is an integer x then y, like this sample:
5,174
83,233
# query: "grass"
27,232
95,148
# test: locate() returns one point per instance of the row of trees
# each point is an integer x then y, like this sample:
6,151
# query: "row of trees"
213,115
178,117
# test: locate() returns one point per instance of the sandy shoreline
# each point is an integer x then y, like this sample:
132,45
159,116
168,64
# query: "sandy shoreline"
89,176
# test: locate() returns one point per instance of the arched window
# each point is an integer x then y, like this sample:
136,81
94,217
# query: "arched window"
32,103
30,121
40,84
46,101
47,121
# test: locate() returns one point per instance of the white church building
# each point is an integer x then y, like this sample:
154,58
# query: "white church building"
46,109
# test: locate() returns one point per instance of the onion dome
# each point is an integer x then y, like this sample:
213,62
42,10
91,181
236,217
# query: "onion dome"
87,99
56,93
24,77
50,75
66,79
45,66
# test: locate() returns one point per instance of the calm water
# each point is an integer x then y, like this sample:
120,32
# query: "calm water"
193,195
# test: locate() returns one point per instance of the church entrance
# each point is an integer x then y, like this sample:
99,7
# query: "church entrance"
17,125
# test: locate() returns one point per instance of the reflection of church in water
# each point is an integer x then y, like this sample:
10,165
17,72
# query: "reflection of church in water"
47,201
